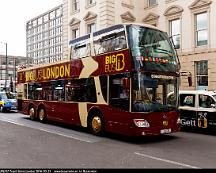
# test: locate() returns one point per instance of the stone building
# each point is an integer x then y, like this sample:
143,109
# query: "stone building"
192,25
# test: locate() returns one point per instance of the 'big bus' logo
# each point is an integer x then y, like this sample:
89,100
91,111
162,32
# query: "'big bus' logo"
114,63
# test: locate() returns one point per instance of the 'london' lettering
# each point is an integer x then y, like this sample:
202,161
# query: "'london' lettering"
47,73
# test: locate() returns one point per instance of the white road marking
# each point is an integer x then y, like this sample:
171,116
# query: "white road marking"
168,161
76,137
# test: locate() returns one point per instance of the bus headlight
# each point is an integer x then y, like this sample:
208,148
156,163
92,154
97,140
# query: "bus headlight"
141,123
178,120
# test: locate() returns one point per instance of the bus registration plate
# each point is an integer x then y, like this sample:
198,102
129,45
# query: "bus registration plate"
165,131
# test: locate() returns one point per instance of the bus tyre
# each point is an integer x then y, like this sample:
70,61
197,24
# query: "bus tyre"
96,124
42,115
32,113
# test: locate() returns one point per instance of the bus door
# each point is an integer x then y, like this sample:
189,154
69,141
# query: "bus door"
188,110
119,96
206,114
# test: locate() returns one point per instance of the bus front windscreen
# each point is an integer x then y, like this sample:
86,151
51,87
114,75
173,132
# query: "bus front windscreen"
151,49
151,93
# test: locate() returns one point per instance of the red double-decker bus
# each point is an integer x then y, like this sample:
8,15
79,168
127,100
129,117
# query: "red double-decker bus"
117,80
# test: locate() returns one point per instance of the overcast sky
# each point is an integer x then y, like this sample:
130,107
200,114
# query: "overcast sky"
13,17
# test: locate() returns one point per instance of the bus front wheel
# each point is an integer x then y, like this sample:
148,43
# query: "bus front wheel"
42,115
96,124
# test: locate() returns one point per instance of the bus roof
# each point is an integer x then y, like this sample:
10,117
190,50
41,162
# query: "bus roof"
111,28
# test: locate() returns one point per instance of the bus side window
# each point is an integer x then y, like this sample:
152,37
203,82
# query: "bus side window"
103,82
59,92
31,91
47,91
110,43
99,47
80,50
120,43
81,90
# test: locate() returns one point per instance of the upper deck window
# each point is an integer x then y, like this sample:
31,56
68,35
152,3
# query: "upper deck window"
80,51
110,42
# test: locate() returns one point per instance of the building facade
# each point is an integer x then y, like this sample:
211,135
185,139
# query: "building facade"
191,24
8,71
44,37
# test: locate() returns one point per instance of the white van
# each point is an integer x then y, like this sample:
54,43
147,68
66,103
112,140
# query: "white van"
197,109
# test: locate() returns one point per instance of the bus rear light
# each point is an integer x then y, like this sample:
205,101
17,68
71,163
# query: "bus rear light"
141,123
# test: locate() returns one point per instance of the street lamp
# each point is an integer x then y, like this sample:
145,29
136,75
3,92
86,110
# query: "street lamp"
6,69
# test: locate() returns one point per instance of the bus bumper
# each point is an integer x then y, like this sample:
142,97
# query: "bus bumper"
153,131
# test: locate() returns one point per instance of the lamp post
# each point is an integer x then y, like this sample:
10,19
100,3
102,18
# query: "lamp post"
6,65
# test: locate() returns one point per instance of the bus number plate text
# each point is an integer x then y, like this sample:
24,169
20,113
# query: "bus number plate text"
165,131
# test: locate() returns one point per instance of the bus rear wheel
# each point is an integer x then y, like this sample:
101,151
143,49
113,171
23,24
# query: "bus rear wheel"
96,124
42,115
32,113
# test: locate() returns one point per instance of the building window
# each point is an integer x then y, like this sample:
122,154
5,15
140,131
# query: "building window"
202,75
75,33
91,28
175,32
90,2
75,5
201,29
152,2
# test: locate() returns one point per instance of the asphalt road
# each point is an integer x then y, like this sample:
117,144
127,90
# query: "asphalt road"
30,144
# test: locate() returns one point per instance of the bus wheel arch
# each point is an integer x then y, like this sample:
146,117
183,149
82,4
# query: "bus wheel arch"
32,112
96,124
42,113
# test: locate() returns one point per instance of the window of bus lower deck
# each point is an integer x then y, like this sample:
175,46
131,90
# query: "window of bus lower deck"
81,90
120,91
59,90
47,91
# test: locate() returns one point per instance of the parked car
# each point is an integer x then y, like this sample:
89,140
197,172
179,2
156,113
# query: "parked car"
197,109
7,102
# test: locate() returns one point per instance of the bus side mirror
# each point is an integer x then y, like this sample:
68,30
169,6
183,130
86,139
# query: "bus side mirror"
190,80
